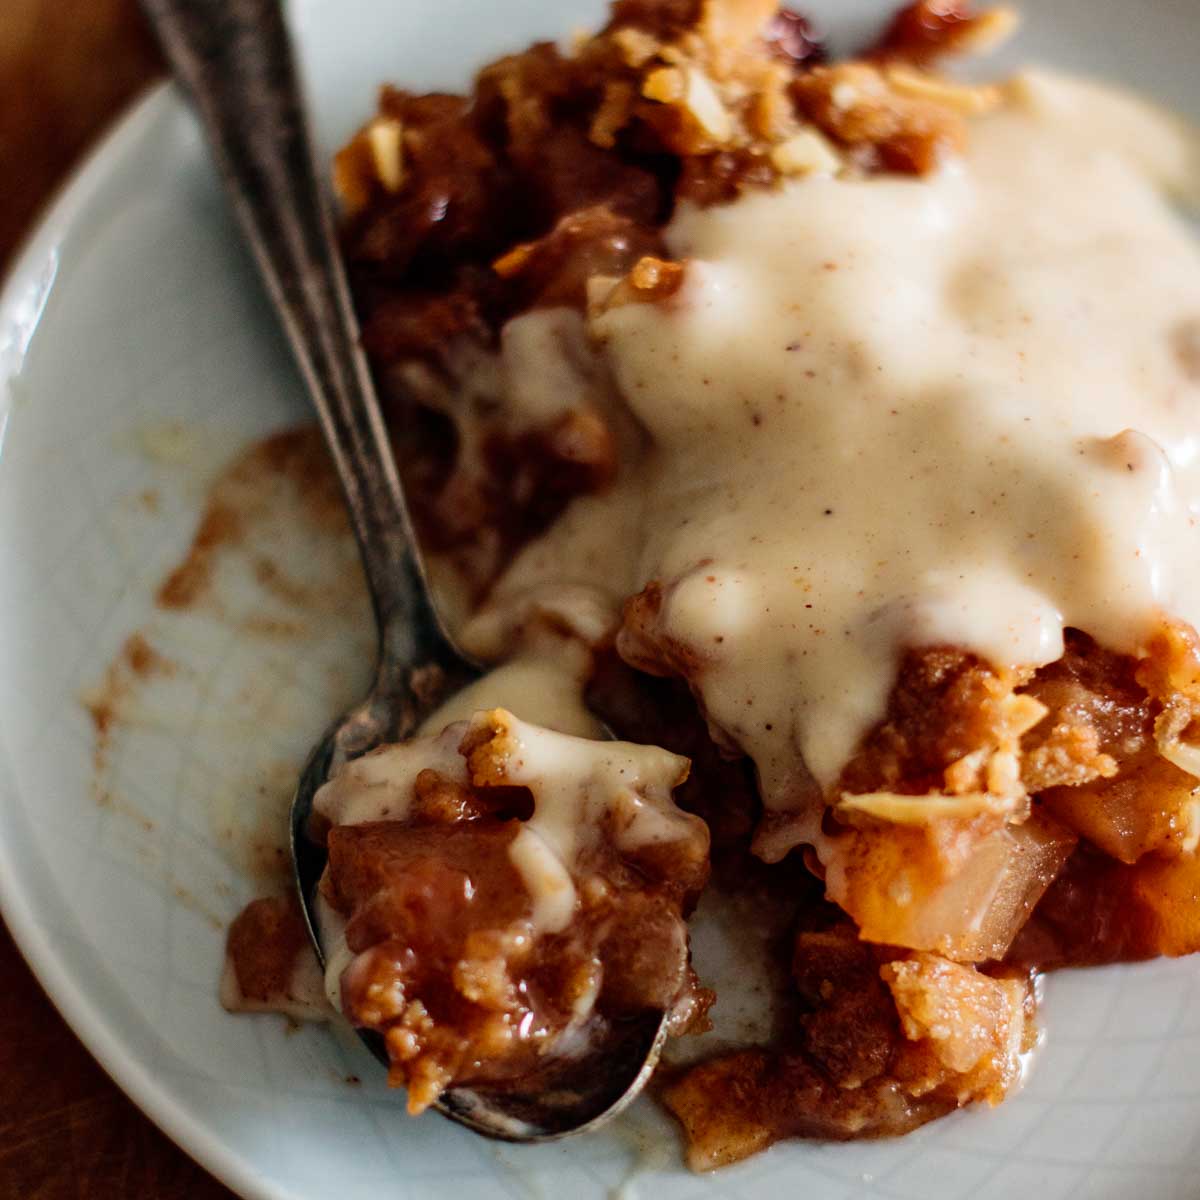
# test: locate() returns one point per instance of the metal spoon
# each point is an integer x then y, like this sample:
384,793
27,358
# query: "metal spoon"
234,58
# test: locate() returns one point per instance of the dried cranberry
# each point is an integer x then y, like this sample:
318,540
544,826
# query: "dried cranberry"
792,37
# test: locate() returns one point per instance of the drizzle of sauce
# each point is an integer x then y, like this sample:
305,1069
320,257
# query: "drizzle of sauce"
582,789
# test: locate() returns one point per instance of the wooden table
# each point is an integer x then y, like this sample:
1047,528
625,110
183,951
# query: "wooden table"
66,1132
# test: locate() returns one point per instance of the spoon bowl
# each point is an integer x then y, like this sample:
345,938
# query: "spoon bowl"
569,1096
234,59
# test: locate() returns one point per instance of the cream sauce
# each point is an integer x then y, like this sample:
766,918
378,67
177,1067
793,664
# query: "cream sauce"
583,791
544,682
544,685
892,412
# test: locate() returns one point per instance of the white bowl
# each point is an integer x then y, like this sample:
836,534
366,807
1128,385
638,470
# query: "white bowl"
137,355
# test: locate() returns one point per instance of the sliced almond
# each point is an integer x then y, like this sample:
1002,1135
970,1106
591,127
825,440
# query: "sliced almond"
971,100
1022,712
923,810
806,153
695,93
385,136
702,101
664,84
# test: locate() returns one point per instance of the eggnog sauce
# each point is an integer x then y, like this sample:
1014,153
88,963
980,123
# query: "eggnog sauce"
583,789
892,412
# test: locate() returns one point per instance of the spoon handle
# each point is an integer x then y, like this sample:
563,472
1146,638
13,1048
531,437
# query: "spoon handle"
235,58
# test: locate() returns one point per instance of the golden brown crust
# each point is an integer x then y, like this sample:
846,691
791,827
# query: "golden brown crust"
737,1105
885,1042
964,1031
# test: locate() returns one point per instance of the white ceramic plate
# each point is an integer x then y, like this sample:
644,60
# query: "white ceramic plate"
136,356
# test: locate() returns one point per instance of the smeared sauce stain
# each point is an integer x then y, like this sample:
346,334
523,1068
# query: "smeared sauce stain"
240,499
188,582
136,660
190,900
261,848
262,634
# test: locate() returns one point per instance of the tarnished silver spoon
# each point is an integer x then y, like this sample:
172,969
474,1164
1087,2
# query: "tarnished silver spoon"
234,59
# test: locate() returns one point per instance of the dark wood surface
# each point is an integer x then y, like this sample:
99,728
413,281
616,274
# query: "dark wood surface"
66,1132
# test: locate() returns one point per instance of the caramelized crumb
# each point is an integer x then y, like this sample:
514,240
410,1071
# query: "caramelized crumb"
263,944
